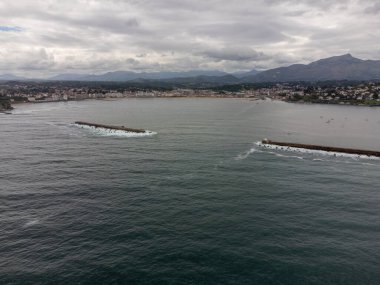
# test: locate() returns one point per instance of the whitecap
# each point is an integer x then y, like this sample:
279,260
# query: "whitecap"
318,159
246,154
289,156
32,223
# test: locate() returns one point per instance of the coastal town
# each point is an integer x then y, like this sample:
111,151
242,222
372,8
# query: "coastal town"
365,94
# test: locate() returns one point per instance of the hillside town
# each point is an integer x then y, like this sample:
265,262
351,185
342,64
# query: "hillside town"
367,94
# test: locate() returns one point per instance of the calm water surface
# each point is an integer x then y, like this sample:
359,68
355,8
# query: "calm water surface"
198,203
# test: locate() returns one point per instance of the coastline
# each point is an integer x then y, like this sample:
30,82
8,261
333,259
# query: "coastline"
143,98
252,99
330,104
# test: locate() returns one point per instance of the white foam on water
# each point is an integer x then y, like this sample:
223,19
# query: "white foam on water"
34,109
115,133
370,164
246,154
315,152
290,156
31,223
7,112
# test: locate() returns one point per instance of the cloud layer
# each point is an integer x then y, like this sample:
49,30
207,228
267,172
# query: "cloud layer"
46,37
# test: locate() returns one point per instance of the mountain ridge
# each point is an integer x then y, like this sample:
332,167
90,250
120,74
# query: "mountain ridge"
342,67
131,75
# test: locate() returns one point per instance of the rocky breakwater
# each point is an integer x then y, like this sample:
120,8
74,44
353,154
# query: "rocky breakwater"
110,127
359,152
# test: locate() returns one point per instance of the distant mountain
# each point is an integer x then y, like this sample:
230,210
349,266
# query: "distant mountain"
130,75
189,82
242,74
204,80
10,77
111,76
344,67
68,77
183,74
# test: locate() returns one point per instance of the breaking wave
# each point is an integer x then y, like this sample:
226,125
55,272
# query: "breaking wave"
246,154
114,133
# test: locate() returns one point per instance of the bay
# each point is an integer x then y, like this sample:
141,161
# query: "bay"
197,203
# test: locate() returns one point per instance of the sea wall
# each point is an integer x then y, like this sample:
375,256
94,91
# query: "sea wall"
110,127
323,148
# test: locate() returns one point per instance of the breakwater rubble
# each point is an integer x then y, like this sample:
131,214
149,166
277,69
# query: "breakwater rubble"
110,130
328,149
116,128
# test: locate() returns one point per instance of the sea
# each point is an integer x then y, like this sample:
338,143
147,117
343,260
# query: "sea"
197,200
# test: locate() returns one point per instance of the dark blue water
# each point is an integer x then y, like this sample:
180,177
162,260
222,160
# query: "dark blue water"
198,203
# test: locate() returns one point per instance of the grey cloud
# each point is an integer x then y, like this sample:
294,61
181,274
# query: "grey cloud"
235,54
373,9
32,59
99,36
242,32
320,4
132,61
62,40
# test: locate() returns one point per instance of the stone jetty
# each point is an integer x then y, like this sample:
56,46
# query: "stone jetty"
110,127
323,148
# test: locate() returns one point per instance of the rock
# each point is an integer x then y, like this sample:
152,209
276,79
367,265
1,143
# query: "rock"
5,104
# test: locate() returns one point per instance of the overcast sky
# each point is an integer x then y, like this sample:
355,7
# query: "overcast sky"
47,37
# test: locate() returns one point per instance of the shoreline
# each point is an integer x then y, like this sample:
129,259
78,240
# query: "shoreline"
330,104
252,99
144,98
